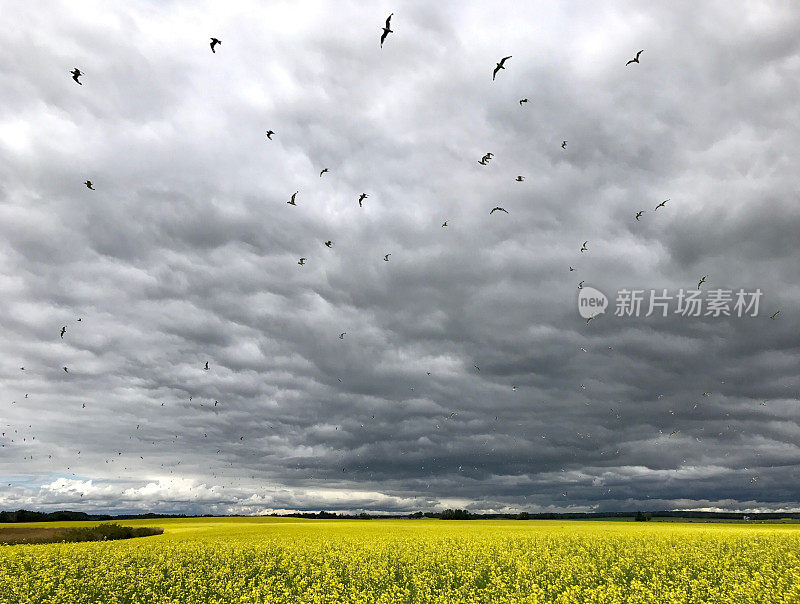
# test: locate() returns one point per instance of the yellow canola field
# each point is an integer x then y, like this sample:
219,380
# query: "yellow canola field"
254,560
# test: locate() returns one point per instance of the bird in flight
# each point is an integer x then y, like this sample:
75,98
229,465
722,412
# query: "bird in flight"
662,204
302,261
590,318
206,367
341,335
482,161
444,224
329,243
361,198
706,394
323,172
496,208
520,178
635,59
291,201
386,29
65,369
639,214
89,185
76,73
500,66
386,257
674,432
775,314
563,144
703,280
522,101
476,367
571,269
270,133
583,247
580,285
63,331
214,42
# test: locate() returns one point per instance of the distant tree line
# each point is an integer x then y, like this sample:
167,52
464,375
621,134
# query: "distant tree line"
65,515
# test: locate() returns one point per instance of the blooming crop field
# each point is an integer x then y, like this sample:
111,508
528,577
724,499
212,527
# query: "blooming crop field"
237,560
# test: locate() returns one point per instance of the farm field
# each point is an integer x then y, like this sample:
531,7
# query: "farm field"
250,560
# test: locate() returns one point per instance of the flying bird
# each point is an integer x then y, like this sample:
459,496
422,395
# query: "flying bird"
63,331
89,185
775,314
500,65
706,394
522,101
270,133
361,198
76,73
639,214
590,318
583,247
206,367
571,269
563,144
482,161
703,280
323,172
444,224
580,285
341,335
329,243
496,208
65,369
386,257
302,261
476,367
386,29
291,201
635,59
214,42
662,204
520,178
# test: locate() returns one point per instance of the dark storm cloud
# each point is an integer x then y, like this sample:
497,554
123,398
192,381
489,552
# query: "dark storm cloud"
187,252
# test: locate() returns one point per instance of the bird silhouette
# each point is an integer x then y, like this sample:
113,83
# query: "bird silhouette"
79,319
583,247
302,261
214,42
580,285
386,29
707,394
476,367
635,59
323,172
386,257
291,202
76,73
563,144
329,243
206,367
444,224
270,133
703,280
89,185
500,65
571,269
520,178
341,335
775,314
662,204
496,208
522,101
63,331
361,198
65,369
482,161
639,214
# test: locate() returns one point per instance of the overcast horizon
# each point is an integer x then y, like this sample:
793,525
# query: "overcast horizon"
456,372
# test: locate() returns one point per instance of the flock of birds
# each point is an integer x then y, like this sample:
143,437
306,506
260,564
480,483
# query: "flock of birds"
487,157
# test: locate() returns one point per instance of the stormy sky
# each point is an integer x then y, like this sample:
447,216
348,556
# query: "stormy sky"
466,376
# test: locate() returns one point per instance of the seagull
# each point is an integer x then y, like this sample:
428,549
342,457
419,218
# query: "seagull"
500,66
63,331
774,315
323,172
65,369
520,178
76,73
206,367
584,248
571,269
361,198
522,101
563,144
444,224
291,201
386,29
703,280
214,42
639,214
635,59
302,261
89,185
329,243
662,204
270,133
386,257
341,335
496,208
580,285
